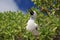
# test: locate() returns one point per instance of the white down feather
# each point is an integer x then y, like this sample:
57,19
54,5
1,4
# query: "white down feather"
31,25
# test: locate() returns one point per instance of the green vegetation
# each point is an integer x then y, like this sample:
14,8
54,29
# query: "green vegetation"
48,6
13,24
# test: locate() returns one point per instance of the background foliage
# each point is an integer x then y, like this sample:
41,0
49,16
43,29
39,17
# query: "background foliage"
13,24
48,6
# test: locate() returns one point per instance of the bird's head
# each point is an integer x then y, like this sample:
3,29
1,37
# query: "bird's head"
33,14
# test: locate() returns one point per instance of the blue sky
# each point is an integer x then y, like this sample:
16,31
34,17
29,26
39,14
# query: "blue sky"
15,5
24,4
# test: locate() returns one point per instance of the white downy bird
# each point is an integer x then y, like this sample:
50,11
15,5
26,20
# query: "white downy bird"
31,25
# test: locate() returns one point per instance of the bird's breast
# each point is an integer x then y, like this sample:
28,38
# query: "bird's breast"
30,25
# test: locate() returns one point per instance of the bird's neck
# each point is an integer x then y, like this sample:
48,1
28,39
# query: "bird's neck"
31,18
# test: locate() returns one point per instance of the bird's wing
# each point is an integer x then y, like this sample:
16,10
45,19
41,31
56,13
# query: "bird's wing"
36,26
35,32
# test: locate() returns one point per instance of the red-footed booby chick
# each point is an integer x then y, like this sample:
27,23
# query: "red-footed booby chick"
31,25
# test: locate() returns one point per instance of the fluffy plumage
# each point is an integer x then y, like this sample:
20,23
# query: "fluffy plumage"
31,25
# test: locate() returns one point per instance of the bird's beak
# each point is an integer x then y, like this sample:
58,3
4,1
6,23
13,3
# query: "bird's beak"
31,12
